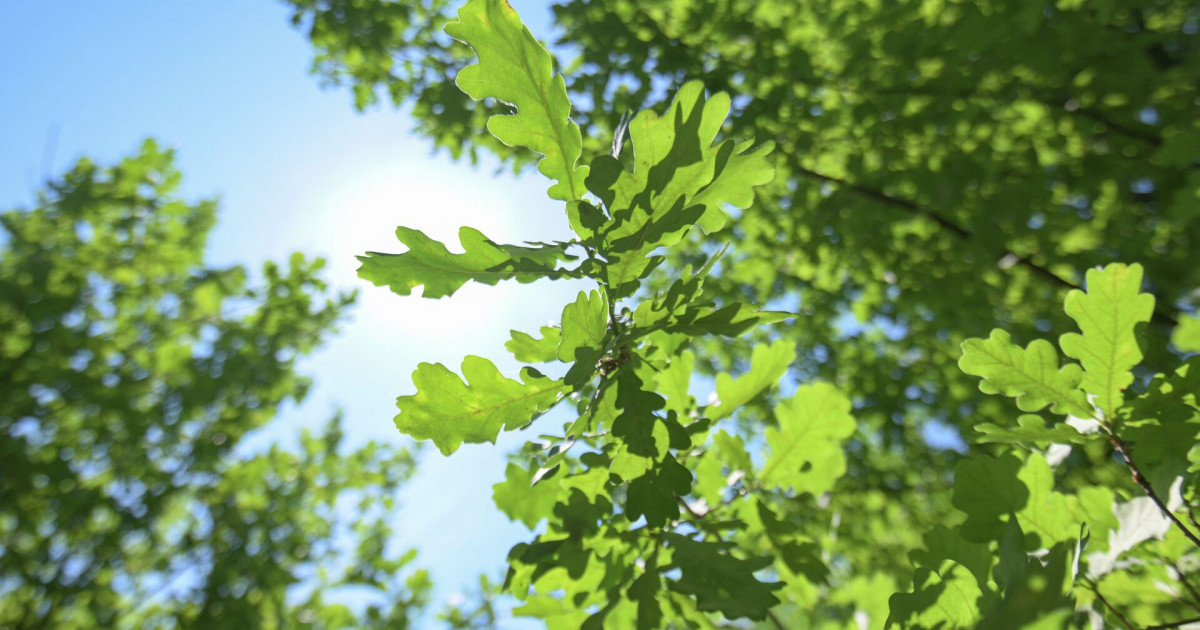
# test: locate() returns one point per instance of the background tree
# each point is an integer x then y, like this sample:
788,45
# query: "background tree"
130,372
943,169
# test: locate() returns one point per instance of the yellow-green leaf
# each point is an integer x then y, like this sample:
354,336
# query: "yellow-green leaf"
1107,314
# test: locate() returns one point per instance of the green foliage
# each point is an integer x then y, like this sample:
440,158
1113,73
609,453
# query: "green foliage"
939,170
515,69
428,264
806,450
767,365
450,412
1017,504
1106,316
1031,375
130,374
1186,336
616,570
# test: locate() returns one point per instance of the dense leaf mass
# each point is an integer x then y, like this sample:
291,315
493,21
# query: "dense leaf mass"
935,259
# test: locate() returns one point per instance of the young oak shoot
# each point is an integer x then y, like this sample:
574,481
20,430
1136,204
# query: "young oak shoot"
614,341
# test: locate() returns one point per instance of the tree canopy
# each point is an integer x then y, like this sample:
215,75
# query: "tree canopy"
890,320
131,372
920,196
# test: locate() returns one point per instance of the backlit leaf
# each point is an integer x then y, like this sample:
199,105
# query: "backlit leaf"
1031,375
449,411
584,325
1107,314
429,264
767,365
986,488
515,69
943,598
529,349
805,449
1032,430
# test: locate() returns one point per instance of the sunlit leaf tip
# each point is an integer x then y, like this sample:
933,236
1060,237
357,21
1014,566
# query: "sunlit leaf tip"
516,69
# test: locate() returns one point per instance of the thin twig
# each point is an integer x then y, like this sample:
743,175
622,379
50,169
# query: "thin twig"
687,506
1141,480
1116,613
775,618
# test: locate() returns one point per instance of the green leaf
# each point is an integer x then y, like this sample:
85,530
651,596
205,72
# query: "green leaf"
429,264
1038,598
680,178
943,598
640,431
1169,398
521,500
719,581
528,349
767,365
674,382
1010,570
1046,513
679,300
1186,336
726,452
655,494
451,412
986,488
515,69
1031,375
806,451
1107,315
943,543
745,167
644,591
1032,430
584,326
555,612
800,555
677,164
728,321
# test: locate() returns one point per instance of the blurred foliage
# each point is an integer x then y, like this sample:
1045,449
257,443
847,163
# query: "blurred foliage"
129,374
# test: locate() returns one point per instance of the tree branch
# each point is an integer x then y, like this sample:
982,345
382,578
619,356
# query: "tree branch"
961,232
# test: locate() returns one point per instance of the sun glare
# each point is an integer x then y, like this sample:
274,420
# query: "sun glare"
430,199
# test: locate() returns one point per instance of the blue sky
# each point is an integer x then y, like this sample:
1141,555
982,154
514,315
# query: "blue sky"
295,168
